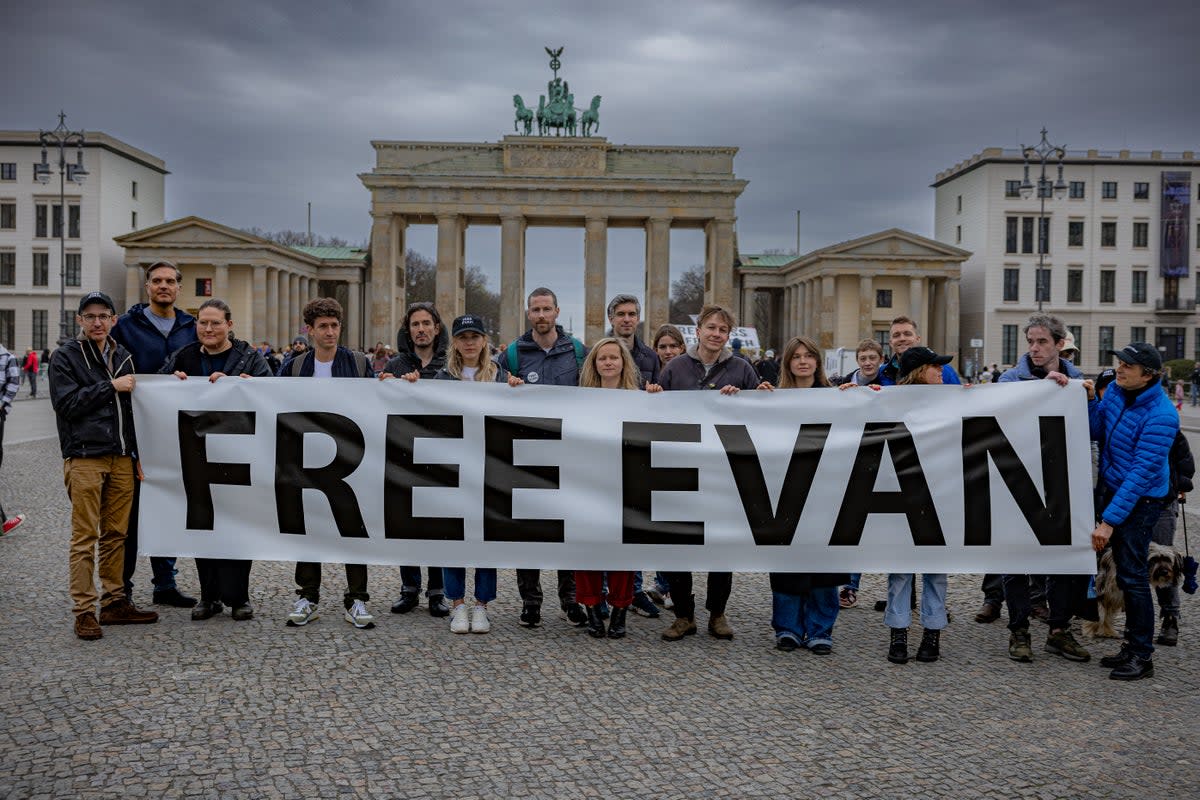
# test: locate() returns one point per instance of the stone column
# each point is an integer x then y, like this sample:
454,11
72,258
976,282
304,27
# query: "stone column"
828,311
271,311
866,305
449,267
512,277
934,311
258,302
951,320
285,319
813,327
788,311
220,287
916,302
595,278
719,269
386,276
304,281
134,278
294,306
352,335
658,273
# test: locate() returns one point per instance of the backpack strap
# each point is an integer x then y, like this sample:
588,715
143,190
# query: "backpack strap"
513,361
297,365
578,354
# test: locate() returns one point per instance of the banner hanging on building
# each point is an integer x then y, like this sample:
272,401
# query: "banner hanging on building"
1176,215
910,479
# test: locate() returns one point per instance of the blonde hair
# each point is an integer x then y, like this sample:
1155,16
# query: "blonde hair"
589,378
916,377
485,368
786,379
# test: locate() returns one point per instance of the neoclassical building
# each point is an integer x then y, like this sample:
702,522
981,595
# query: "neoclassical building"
851,291
266,284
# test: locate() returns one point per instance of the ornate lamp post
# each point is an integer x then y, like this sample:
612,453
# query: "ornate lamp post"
62,138
1041,153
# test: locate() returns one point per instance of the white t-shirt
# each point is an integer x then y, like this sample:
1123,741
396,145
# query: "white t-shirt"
468,373
322,369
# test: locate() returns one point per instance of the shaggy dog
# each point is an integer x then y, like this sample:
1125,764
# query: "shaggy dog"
1165,568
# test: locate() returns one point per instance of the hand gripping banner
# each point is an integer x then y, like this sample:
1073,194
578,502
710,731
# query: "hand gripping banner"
908,479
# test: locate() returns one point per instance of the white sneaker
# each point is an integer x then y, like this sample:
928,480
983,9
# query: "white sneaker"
358,616
304,613
459,621
479,620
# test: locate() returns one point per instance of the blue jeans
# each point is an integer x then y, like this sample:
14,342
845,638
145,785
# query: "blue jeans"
455,580
1195,393
660,583
1131,547
855,577
808,618
933,601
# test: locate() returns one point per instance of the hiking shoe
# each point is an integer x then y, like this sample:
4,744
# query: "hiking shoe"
243,612
719,627
1134,669
438,606
576,614
123,612
173,597
1019,647
460,620
1064,644
681,627
930,649
406,602
898,646
206,609
10,524
1121,657
358,616
531,616
847,597
1169,635
988,612
479,620
303,613
86,626
642,604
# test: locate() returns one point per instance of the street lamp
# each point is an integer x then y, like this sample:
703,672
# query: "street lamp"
62,138
1041,153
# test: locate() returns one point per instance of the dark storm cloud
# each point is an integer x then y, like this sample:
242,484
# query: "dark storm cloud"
844,111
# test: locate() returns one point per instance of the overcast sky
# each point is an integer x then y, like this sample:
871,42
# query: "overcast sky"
843,111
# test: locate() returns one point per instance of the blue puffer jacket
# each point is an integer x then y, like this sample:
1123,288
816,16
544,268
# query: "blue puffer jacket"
149,347
1135,440
889,371
1023,371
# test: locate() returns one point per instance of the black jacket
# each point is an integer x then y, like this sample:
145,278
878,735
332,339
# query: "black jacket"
93,418
243,358
1183,466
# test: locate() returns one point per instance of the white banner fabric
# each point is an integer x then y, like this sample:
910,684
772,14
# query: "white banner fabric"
995,478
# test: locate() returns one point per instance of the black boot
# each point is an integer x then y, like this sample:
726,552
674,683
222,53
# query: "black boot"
930,648
898,648
595,623
1169,635
616,623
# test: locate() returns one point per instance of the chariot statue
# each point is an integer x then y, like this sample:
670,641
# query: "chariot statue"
556,109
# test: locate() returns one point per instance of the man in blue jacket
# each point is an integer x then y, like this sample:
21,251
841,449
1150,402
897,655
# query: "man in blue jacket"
903,335
1135,424
151,332
1045,335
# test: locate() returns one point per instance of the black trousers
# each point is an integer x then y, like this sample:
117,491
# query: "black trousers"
308,581
224,579
720,584
529,584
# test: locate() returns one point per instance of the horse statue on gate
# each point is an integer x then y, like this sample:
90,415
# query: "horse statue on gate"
590,120
524,116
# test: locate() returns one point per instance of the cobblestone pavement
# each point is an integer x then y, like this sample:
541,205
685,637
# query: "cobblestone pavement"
254,709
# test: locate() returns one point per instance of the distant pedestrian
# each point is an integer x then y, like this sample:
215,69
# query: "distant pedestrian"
30,369
1195,381
1179,395
10,380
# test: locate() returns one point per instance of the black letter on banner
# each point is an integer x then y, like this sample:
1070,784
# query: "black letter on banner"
501,476
1050,521
400,475
199,474
779,526
292,477
639,481
913,500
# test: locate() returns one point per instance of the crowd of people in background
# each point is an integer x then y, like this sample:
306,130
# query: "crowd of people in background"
1142,463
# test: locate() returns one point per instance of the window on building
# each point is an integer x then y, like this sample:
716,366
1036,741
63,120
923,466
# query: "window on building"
133,220
1139,286
1108,234
8,216
1044,235
1012,188
1105,337
8,325
1012,284
1075,233
1108,286
72,222
74,266
1074,286
8,275
1043,285
1075,190
41,217
1141,234
1008,344
1137,334
1141,191
133,189
1108,190
56,220
883,298
41,269
8,171
958,234
1027,234
1077,332
1010,234
1197,357
203,287
959,204
39,329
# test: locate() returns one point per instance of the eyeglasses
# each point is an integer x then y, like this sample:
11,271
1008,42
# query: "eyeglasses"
91,318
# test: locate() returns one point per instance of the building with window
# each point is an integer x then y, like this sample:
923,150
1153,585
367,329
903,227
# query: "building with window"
1119,249
125,187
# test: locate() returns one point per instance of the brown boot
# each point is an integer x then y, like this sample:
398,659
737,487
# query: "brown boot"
719,627
681,627
86,626
123,612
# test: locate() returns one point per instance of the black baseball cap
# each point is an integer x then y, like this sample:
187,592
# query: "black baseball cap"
916,357
1141,354
92,298
1105,378
467,323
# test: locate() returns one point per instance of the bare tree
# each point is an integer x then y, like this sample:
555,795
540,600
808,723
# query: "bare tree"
687,295
421,286
289,238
